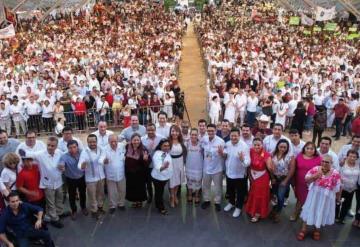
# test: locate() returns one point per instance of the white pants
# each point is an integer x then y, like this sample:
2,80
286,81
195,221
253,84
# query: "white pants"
214,118
6,125
241,115
19,124
206,186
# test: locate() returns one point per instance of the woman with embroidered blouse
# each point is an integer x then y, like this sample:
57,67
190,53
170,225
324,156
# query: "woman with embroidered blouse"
319,208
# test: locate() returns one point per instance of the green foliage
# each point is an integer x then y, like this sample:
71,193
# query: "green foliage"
199,4
168,4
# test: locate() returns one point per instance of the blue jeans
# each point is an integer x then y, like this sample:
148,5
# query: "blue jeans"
250,118
23,241
309,122
280,192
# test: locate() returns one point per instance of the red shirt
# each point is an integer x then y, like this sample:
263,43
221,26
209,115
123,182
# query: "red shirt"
80,108
355,126
109,98
29,178
340,110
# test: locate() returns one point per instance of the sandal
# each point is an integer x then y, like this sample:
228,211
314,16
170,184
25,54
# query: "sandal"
301,235
254,219
316,235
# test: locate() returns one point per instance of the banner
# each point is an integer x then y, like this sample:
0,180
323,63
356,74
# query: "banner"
325,14
353,36
317,29
352,29
7,32
306,21
294,21
330,26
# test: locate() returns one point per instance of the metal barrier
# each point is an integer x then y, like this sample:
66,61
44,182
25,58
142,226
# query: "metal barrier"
114,118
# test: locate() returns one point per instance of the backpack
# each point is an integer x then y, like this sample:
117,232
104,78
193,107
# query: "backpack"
320,120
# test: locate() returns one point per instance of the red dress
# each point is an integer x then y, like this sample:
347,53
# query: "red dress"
259,194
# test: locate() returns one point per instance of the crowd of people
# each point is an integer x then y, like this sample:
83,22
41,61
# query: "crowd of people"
302,81
263,78
106,64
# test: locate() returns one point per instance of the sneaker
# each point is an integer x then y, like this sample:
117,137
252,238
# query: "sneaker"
236,213
217,207
205,205
286,202
274,201
228,207
57,224
350,213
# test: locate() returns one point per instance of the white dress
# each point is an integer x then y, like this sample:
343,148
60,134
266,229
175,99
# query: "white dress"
178,176
230,110
194,166
214,112
282,109
319,207
330,112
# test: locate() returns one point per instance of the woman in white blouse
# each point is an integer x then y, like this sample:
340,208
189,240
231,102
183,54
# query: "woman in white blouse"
284,169
8,174
349,172
161,173
47,116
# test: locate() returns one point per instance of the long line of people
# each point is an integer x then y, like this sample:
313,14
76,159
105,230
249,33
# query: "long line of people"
142,162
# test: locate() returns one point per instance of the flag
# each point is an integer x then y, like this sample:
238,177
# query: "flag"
10,16
306,21
325,14
7,32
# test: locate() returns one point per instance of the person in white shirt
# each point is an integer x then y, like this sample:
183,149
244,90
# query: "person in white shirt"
31,144
114,172
271,141
102,134
150,142
91,162
325,144
214,110
33,110
9,173
319,99
102,106
18,116
246,135
241,101
237,155
213,167
251,107
5,120
47,115
51,179
67,135
162,172
355,145
163,127
350,172
295,142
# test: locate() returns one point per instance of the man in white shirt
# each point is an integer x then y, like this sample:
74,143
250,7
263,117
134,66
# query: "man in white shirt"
213,167
90,161
5,120
241,101
33,110
18,116
271,141
237,155
318,99
246,135
355,145
102,107
295,142
150,141
51,179
31,144
67,134
251,107
102,134
115,175
163,127
325,144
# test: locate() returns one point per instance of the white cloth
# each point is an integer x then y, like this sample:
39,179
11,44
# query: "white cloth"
178,176
159,159
8,177
349,177
194,162
115,169
102,140
334,157
235,168
94,170
213,162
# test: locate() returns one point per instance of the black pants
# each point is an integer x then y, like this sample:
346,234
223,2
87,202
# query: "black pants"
317,133
23,241
33,122
338,126
159,193
74,185
346,205
357,216
149,187
81,122
48,124
237,189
